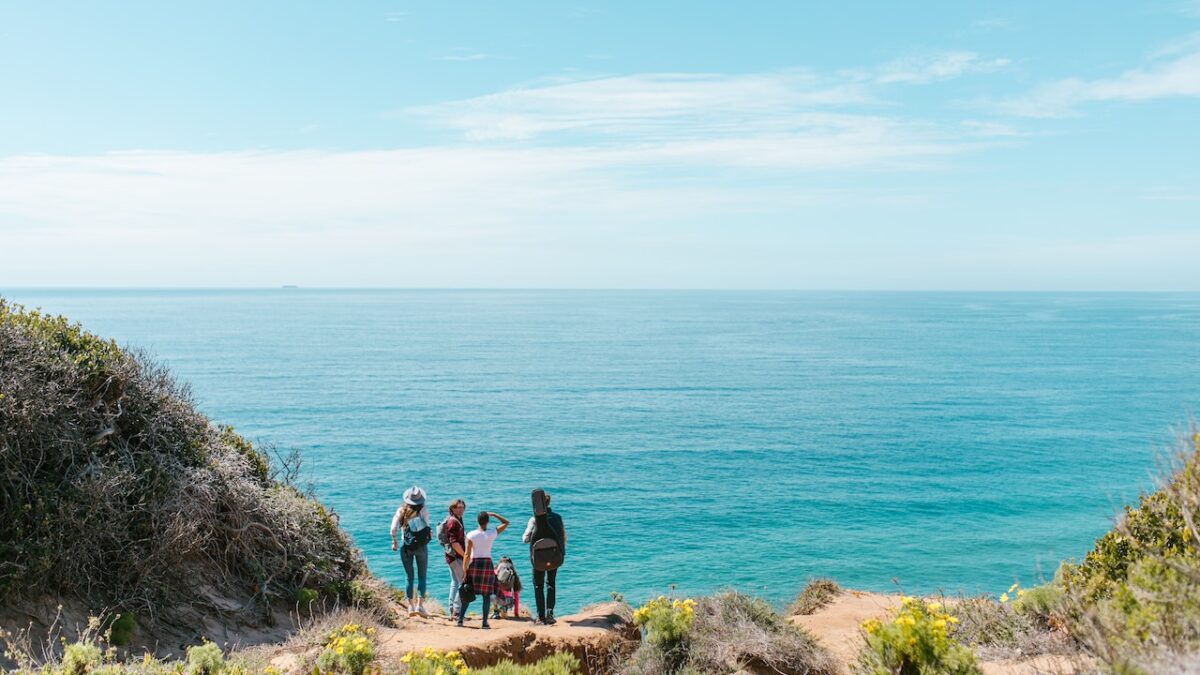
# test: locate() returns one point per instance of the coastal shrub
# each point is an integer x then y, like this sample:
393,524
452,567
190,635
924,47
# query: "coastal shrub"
80,657
665,622
732,632
726,632
1156,527
557,664
305,597
349,649
1043,603
205,659
119,493
999,630
916,640
1134,601
816,594
430,661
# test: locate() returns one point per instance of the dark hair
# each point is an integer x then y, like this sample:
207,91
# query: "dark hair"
482,518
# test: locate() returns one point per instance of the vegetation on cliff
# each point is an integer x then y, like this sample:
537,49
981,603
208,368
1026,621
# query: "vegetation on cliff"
116,493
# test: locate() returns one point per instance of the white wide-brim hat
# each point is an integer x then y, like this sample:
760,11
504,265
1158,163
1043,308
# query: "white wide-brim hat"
414,496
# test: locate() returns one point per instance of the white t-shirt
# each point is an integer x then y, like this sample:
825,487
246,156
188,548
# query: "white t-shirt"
481,542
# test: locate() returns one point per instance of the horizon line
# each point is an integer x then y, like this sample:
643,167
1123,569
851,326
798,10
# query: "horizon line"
598,289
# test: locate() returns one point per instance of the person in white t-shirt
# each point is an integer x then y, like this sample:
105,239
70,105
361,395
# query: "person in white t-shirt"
480,571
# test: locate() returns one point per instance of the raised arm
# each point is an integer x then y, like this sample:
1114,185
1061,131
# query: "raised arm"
503,522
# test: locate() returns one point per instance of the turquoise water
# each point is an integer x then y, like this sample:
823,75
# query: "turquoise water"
703,439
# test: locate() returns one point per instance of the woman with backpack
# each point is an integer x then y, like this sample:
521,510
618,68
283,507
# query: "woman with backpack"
411,522
481,574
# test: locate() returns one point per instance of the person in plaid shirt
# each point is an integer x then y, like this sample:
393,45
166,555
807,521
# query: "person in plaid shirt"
455,549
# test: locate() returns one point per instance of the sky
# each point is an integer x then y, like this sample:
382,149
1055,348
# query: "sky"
890,146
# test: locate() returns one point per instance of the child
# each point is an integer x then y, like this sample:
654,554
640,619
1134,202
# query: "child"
508,590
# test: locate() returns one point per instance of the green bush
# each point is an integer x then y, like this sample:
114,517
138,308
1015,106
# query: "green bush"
557,664
120,493
726,632
916,640
349,649
665,621
305,597
205,659
1155,526
816,594
1042,603
1134,601
430,661
81,657
121,629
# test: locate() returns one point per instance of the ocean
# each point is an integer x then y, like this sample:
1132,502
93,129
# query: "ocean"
701,440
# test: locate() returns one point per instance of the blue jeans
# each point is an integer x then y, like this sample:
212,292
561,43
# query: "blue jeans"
456,578
407,556
487,605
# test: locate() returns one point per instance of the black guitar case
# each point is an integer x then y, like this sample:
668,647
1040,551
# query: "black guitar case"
545,553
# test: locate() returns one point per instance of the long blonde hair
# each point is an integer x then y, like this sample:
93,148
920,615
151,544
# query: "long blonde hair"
407,513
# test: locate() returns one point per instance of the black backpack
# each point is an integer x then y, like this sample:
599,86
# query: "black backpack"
416,539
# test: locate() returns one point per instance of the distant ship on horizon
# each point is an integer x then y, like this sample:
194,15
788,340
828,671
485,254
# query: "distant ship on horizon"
290,286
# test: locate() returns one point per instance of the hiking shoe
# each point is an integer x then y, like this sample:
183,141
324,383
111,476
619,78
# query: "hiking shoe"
550,619
485,626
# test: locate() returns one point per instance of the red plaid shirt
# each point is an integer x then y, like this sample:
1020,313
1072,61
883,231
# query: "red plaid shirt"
455,532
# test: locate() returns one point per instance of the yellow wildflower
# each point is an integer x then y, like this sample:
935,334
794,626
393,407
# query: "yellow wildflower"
1016,584
1004,597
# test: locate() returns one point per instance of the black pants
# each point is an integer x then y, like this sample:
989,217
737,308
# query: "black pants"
543,591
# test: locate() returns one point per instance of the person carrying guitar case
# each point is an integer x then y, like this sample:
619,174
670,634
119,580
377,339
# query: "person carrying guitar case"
547,539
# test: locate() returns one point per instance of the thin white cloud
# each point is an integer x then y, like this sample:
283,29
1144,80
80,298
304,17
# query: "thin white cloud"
990,129
568,166
659,104
1175,75
994,23
428,216
926,68
473,56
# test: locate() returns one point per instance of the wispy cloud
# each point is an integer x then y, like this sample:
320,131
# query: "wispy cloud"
933,67
1173,72
636,106
572,163
993,23
469,56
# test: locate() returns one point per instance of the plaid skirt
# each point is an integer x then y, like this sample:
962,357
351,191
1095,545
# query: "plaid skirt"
483,576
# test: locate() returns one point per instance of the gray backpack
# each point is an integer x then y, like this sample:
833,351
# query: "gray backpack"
443,536
506,574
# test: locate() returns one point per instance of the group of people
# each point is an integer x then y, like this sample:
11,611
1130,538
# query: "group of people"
468,554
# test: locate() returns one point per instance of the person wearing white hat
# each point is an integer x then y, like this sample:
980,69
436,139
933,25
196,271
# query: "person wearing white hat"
411,524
